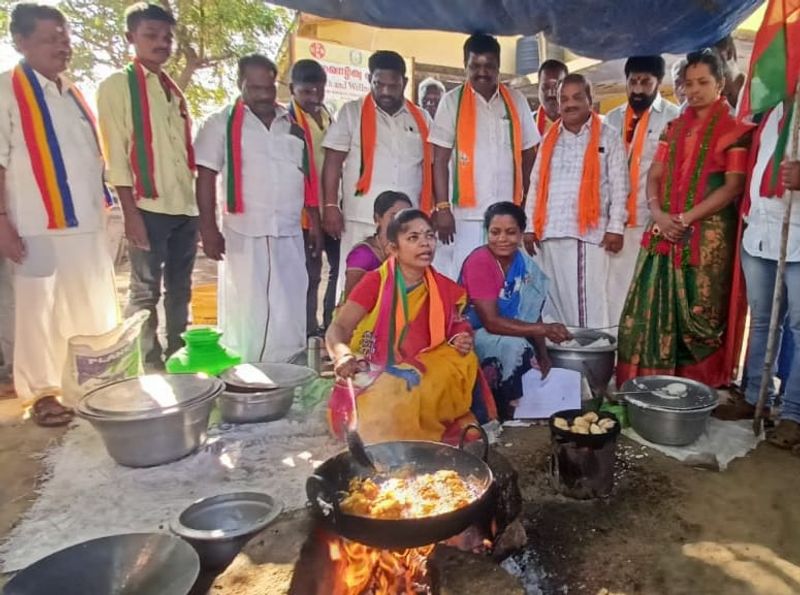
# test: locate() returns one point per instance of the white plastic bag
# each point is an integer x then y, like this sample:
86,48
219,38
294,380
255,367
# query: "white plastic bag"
95,360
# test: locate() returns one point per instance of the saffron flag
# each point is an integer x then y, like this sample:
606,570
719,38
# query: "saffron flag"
773,76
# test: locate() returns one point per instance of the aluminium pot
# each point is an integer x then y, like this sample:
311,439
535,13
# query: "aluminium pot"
154,419
596,363
219,526
665,419
261,392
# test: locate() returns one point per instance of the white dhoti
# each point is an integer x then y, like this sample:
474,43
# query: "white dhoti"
64,287
450,258
577,293
354,232
6,315
262,296
621,267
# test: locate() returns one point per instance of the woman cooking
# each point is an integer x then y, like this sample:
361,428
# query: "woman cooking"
506,291
369,254
676,316
401,340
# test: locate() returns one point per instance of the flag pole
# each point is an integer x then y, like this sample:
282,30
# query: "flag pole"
777,297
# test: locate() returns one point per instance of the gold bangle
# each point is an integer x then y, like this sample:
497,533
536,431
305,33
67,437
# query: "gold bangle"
333,206
442,206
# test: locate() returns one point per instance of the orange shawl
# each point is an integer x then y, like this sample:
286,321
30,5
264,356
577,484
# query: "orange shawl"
369,139
589,195
466,128
634,150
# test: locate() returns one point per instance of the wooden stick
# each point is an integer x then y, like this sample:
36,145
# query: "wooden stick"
777,296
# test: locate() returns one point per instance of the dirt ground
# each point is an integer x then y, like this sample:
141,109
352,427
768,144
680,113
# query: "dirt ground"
666,530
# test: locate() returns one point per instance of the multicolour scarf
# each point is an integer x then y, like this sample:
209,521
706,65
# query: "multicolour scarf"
772,184
635,148
589,194
44,151
142,158
369,140
298,116
466,129
392,322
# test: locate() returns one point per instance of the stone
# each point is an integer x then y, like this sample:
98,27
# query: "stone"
454,572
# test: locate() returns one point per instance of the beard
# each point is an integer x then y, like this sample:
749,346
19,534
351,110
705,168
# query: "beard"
640,102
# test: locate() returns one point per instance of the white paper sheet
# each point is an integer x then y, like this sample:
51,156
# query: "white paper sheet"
541,398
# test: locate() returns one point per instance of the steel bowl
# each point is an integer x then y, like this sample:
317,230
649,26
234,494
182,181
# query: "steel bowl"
218,527
152,420
668,422
595,363
261,392
129,564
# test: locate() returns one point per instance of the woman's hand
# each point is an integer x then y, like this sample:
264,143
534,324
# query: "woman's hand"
463,343
556,332
347,366
669,226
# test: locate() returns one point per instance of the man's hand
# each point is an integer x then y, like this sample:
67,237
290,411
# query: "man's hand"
531,243
612,242
445,224
11,245
544,363
790,174
135,230
213,241
333,221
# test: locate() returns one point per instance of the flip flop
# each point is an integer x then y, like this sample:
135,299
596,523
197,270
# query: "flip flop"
786,435
49,413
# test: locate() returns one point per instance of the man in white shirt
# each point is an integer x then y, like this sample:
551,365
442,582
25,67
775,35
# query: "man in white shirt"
579,191
52,220
429,94
639,122
478,158
397,157
760,251
263,280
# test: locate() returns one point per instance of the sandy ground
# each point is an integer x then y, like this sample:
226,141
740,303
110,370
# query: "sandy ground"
667,529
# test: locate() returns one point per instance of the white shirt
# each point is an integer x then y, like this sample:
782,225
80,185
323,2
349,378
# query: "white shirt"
762,236
397,162
272,172
662,112
494,159
82,161
566,172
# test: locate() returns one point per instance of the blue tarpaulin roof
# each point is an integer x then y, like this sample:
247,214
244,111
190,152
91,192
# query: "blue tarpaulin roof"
603,29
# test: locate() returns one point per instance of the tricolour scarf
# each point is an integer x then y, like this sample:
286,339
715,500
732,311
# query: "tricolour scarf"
369,140
235,192
44,151
466,127
635,148
142,159
589,194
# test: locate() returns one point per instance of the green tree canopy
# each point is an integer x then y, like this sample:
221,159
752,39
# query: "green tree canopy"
211,35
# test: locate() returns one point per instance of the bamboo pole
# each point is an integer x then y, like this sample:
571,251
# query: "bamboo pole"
777,297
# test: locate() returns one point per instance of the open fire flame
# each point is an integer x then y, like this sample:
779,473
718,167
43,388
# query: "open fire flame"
362,570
